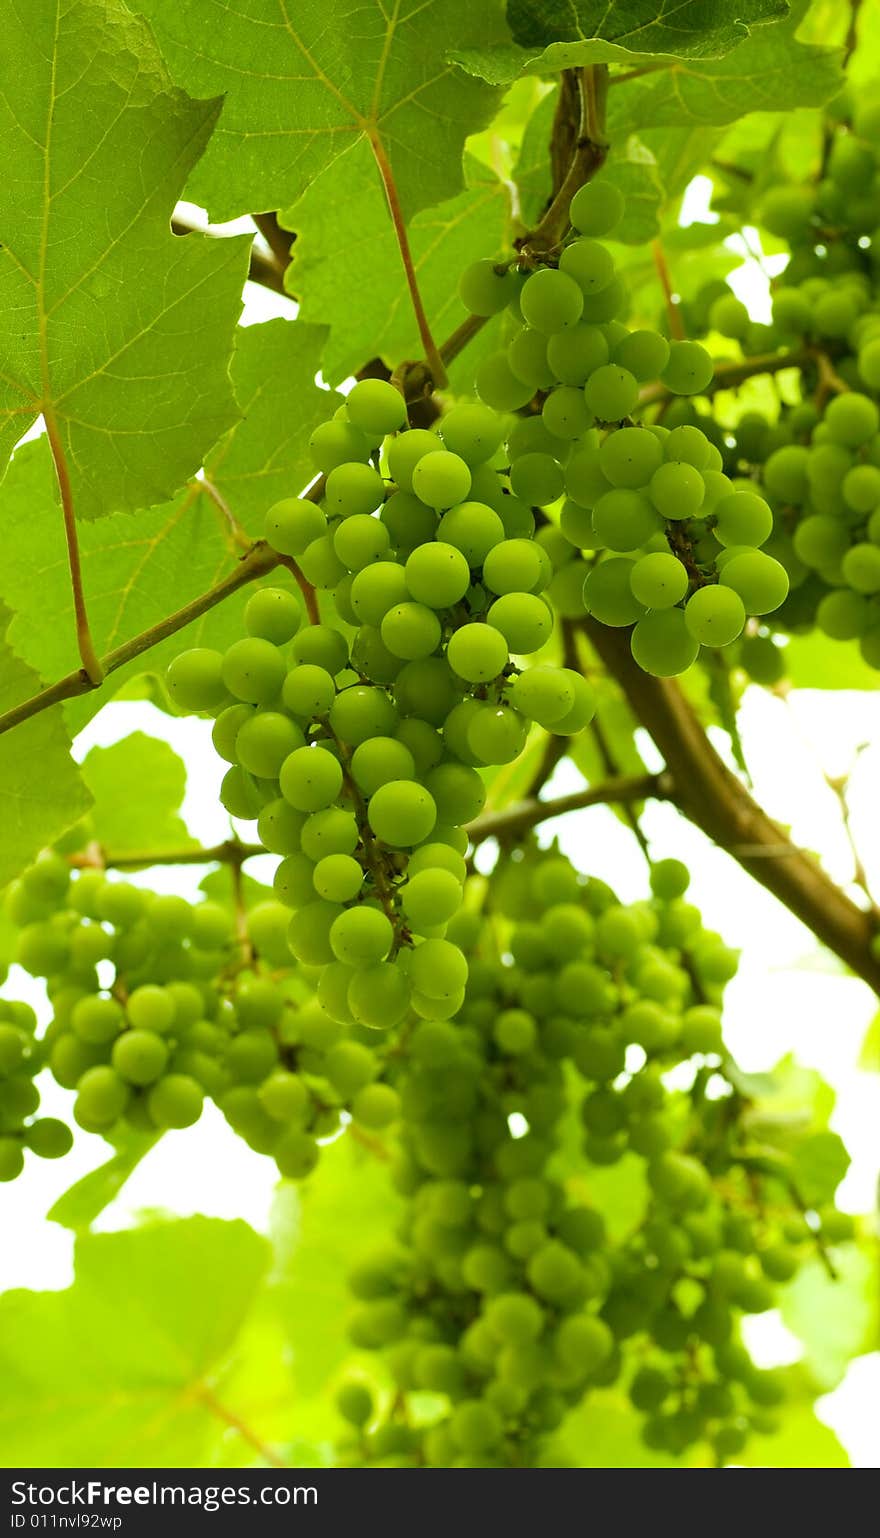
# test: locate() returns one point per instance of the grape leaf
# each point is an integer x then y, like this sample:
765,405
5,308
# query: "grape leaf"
139,568
84,1201
570,33
41,790
802,1442
345,245
117,1371
836,1318
815,662
118,332
138,786
305,83
819,1164
605,1433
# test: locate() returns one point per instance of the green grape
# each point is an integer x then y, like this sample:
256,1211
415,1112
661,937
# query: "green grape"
332,831
589,263
378,996
513,566
226,728
265,740
310,779
788,212
239,795
284,1096
843,615
742,518
322,647
352,488
151,1008
423,743
253,671
426,689
497,735
375,407
408,521
689,369
292,525
597,208
96,1020
785,473
430,898
438,968
688,445
527,356
861,488
543,694
379,760
377,589
11,1158
477,652
359,712
608,595
441,479
139,1057
852,419
309,932
359,541
629,457
537,479
411,631
471,431
471,528
565,413
658,580
273,615
604,306
195,679
308,691
524,621
760,581
497,385
585,482
338,878
861,568
611,392
715,615
730,316
575,353
821,541
623,520
401,813
376,1107
437,575
320,565
644,354
458,791
485,289
677,491
550,301
582,1343
101,1098
433,856
334,443
662,643
48,1138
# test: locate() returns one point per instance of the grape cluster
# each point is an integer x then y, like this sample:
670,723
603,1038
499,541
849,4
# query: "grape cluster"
505,1296
158,1004
673,544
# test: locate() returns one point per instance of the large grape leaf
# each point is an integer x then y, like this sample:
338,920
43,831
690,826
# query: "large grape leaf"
565,34
836,1318
304,81
41,789
114,329
84,1201
138,786
120,1370
139,568
346,246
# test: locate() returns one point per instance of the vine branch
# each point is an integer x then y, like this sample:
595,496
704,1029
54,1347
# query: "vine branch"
86,646
588,87
513,821
230,852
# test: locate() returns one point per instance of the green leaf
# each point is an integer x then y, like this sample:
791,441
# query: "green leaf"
819,1164
815,662
117,1371
86,1199
605,1433
566,34
305,84
138,785
114,329
139,568
41,790
835,1319
869,1057
346,246
802,1442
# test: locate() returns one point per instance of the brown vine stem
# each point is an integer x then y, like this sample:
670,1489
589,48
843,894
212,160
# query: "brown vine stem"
673,306
457,341
432,355
88,655
852,32
511,823
591,148
203,1394
712,798
728,375
259,561
230,852
279,241
310,597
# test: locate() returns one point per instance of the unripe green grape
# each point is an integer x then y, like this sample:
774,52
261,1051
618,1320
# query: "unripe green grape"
411,631
623,520
597,208
715,615
309,932
729,316
611,392
630,456
308,691
550,301
788,212
821,541
360,712
644,354
253,670
527,357
689,369
195,679
334,443
438,969
293,524
861,568
378,996
48,1138
408,521
360,541
338,878
379,760
477,652
472,431
296,1154
589,263
662,643
376,1107
852,419
582,1342
484,290
375,407
761,582
404,453
96,1020
11,1158
310,779
353,488
473,529
575,353
565,413
585,482
524,621
677,490
321,646
843,615
513,566
514,1032
537,479
608,595
101,1098
401,813
459,793
239,795
497,385
658,580
377,589
437,574
273,614
265,740
497,735
742,519
441,479
226,728
320,565
432,856
604,307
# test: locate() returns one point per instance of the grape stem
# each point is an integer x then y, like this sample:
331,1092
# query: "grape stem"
671,299
514,821
88,656
432,356
728,375
588,155
231,852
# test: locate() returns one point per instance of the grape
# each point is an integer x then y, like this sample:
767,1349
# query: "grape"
550,300
437,574
332,831
788,212
379,760
139,1057
430,898
498,386
321,647
377,589
861,488
175,1101
677,490
273,615
375,407
320,565
629,457
48,1138
760,581
689,369
527,356
524,621
852,419
821,541
589,263
195,679
497,735
843,615
597,208
309,932
742,519
438,968
408,521
401,813
565,413
611,392
361,540
537,478
338,878
785,473
411,631
715,616
405,451
359,712
583,707
264,742
334,443
513,566
543,694
585,482
473,529
353,488
96,1020
308,691
658,580
376,1106
622,520
310,778
101,1098
427,689
292,525
643,353
253,670
573,354
662,643
361,936
861,568
477,653
688,445
729,316
441,479
484,289
608,595
605,305
458,792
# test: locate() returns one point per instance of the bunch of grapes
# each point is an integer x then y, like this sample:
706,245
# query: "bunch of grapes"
158,1004
505,1296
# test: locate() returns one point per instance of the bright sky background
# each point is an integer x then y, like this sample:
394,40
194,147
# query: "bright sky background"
787,996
